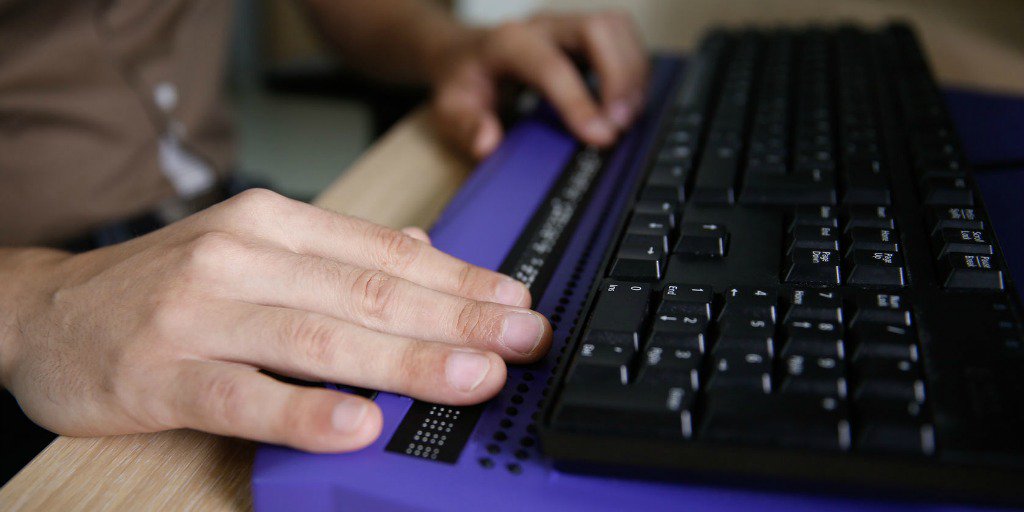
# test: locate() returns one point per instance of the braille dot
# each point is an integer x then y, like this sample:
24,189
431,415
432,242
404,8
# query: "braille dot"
532,428
514,468
527,376
522,455
486,462
500,436
527,442
506,423
511,411
517,399
522,388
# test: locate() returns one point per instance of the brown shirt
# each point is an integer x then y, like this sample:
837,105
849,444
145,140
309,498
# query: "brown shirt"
80,124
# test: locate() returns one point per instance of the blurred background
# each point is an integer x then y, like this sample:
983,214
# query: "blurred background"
303,118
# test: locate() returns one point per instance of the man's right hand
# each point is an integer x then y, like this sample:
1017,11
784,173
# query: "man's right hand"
168,330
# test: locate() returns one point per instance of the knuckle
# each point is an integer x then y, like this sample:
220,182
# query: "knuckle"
257,197
253,205
168,315
376,291
222,397
207,253
475,323
408,370
466,281
318,340
399,250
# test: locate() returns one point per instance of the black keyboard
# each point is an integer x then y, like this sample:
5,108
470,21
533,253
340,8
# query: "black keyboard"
806,286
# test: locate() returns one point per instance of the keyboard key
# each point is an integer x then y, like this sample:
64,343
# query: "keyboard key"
881,308
639,263
947,191
817,375
666,366
876,268
677,317
599,363
963,241
746,303
689,300
815,216
741,370
865,183
971,271
637,240
781,420
873,239
814,237
671,340
815,304
869,217
956,217
657,207
645,410
813,266
651,224
621,307
894,427
881,341
702,241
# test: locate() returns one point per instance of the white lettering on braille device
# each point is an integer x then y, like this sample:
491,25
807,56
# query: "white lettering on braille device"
587,350
671,290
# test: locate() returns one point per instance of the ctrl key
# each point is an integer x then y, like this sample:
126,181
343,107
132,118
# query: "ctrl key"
971,271
661,411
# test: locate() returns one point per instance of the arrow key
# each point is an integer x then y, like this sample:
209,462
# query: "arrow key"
702,241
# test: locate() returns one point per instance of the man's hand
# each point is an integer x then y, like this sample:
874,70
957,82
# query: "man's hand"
537,52
168,330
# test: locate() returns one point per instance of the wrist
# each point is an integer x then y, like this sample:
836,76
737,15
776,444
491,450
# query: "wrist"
24,274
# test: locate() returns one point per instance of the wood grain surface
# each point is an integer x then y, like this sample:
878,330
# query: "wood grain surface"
407,177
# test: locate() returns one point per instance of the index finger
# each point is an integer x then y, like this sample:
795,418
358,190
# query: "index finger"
531,55
302,228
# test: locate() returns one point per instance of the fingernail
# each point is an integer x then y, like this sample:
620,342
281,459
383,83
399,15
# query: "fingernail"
485,142
348,415
521,331
465,370
621,113
599,130
510,292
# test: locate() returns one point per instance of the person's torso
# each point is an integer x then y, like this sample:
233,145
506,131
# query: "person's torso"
107,108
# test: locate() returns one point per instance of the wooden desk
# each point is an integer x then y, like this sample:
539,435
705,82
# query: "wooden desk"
406,179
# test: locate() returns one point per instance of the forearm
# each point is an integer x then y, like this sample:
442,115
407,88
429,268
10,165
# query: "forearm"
21,273
395,40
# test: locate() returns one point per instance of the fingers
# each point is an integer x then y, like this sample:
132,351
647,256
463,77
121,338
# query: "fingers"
530,54
464,107
417,233
378,301
238,401
263,217
313,346
364,244
612,46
